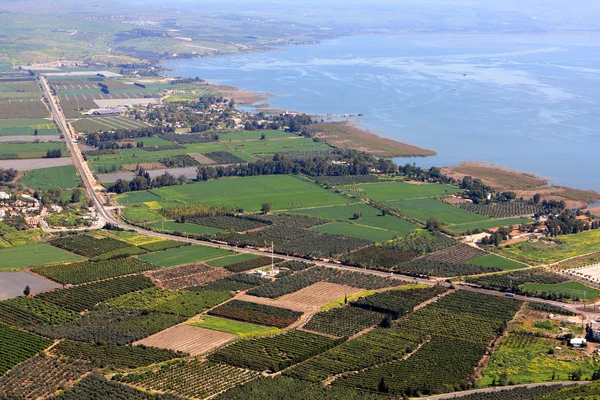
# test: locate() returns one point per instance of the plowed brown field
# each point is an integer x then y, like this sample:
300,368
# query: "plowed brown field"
187,338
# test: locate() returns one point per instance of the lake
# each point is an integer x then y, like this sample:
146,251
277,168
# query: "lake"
529,102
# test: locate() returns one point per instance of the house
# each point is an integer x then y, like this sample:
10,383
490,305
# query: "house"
578,342
4,196
32,221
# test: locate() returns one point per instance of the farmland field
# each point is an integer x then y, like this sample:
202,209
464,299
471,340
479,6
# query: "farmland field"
30,150
423,209
189,275
184,255
228,260
188,339
282,191
357,231
97,124
13,283
315,296
11,127
485,225
492,260
17,346
553,251
386,191
567,289
64,177
33,254
172,226
241,329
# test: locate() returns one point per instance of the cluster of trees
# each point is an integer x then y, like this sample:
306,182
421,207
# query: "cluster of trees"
54,153
55,196
143,181
503,233
95,139
566,223
8,175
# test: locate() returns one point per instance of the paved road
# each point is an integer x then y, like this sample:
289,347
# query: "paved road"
457,395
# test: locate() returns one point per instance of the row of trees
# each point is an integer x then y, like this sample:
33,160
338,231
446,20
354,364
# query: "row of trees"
54,153
143,181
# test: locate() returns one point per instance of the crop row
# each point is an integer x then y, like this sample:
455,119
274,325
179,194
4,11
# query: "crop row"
256,313
274,353
512,281
182,303
376,256
224,157
40,377
549,308
423,244
236,282
26,312
373,348
190,275
503,210
398,302
427,267
344,321
112,356
117,327
162,245
85,271
345,180
88,246
190,378
85,297
17,346
302,279
461,253
251,264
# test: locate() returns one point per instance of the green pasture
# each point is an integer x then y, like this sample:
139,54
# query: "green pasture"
33,254
281,191
242,329
253,135
386,191
425,208
358,231
29,150
228,260
47,178
184,255
570,289
278,146
492,260
27,126
551,251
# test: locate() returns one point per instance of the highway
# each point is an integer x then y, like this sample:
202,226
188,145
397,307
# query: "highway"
106,217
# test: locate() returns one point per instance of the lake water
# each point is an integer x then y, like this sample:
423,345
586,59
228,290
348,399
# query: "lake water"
529,102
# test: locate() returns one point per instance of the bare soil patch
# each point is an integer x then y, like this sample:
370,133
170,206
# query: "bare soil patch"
240,96
13,283
496,176
189,339
146,166
35,163
456,200
595,211
346,135
201,158
190,275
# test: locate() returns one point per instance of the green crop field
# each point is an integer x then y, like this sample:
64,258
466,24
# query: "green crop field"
47,178
253,135
387,226
571,289
184,255
228,260
492,260
173,226
487,224
357,231
242,329
385,191
27,126
33,254
278,146
281,191
29,150
423,209
558,249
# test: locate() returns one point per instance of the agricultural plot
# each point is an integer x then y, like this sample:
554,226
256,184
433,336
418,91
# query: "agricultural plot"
224,157
344,321
281,191
84,272
503,210
13,283
273,353
376,347
236,282
101,124
40,377
190,275
186,229
517,393
270,147
117,327
27,312
186,304
188,339
397,303
357,231
33,254
64,177
494,261
229,260
256,313
87,245
462,229
566,290
313,297
423,209
423,243
303,279
192,378
94,384
37,163
22,126
379,257
85,297
17,346
522,357
549,251
23,108
426,266
253,263
184,255
114,357
162,245
22,150
460,253
345,180
240,329
386,191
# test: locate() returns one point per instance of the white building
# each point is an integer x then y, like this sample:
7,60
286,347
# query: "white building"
4,196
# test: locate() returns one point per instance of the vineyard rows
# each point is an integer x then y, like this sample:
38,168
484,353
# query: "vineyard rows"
235,282
191,378
88,246
274,353
17,346
398,302
26,312
503,210
85,271
461,253
344,321
376,256
256,313
427,267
